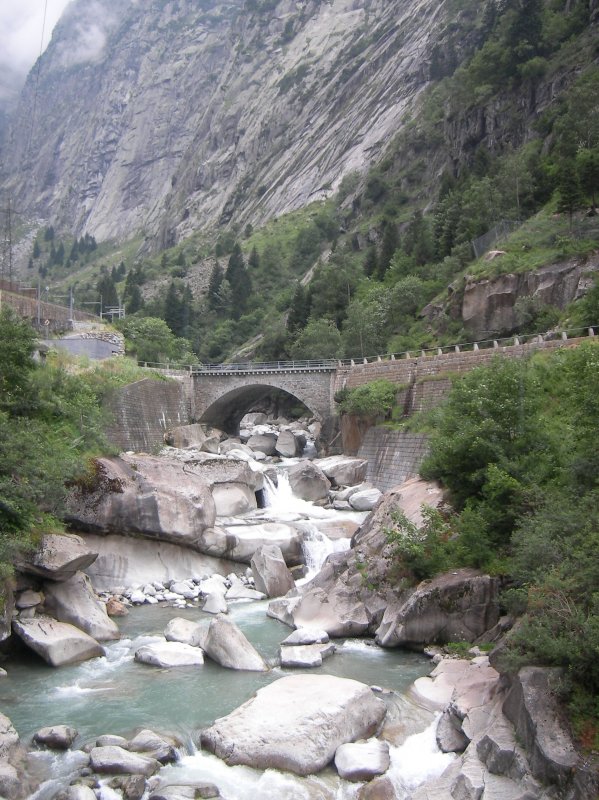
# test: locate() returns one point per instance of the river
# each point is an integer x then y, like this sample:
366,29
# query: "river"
117,695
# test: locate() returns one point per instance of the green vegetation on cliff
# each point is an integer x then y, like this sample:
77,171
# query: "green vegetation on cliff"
517,446
50,422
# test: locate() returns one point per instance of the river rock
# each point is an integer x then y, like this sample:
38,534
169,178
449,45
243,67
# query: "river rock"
115,608
227,645
10,782
155,497
7,606
28,599
305,656
455,606
186,436
58,643
78,791
215,603
240,542
306,636
264,443
125,561
239,591
343,470
118,761
365,500
339,612
232,499
449,734
211,445
532,706
58,737
308,481
185,631
336,528
378,789
110,740
287,444
185,792
75,601
169,654
234,447
296,723
362,761
9,738
58,557
271,575
151,744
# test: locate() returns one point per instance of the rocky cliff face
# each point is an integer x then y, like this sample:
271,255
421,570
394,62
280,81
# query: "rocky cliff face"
167,116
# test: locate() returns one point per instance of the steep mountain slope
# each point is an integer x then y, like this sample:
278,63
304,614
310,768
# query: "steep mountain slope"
169,116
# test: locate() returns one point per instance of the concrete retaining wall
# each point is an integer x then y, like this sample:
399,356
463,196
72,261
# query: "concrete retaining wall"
143,411
393,456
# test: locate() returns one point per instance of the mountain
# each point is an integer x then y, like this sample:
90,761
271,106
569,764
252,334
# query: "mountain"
163,117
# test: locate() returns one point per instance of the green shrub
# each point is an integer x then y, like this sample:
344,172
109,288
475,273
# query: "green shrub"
374,399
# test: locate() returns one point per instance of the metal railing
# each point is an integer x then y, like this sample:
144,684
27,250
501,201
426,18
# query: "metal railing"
332,364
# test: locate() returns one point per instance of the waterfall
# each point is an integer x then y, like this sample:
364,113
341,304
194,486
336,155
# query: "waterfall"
315,545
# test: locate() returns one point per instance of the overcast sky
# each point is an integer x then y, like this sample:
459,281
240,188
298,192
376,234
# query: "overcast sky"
21,23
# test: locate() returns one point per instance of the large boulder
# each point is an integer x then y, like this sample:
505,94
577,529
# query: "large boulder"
309,482
271,575
296,723
7,606
56,737
532,706
339,612
151,744
159,498
185,631
118,761
58,643
169,654
343,470
9,738
239,542
455,606
305,656
288,444
75,601
125,561
186,436
58,557
227,645
264,443
232,499
365,499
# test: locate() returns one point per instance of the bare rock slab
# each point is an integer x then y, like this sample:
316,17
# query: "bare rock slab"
75,601
362,761
169,654
271,575
306,656
185,631
226,644
58,643
296,723
58,557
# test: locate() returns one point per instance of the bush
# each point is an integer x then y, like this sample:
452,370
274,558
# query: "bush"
374,399
420,553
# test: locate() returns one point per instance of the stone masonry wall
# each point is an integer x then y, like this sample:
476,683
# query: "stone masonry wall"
393,456
143,411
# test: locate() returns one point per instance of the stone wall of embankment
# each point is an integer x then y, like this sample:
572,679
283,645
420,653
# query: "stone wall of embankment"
142,412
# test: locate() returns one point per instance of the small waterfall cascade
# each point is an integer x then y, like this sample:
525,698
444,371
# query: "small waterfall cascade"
315,545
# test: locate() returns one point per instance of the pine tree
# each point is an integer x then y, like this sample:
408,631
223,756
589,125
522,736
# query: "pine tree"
298,310
173,310
239,280
36,249
254,259
568,185
371,263
216,278
389,245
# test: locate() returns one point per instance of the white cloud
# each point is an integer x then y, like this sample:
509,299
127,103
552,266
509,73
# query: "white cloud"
21,24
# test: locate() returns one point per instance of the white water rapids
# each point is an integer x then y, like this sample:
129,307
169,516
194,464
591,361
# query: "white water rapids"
117,695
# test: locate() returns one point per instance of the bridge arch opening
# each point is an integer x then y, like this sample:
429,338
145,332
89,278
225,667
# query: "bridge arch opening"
229,409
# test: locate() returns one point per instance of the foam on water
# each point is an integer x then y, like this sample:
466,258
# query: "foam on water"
280,499
417,760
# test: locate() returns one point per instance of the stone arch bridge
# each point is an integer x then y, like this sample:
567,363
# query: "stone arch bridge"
221,394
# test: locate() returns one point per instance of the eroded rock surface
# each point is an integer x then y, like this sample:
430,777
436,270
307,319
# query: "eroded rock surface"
296,723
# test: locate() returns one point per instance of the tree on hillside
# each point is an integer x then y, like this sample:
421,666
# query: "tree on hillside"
568,186
239,281
216,278
587,163
319,339
298,310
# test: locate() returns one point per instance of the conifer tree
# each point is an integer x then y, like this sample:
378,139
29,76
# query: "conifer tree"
239,280
216,278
